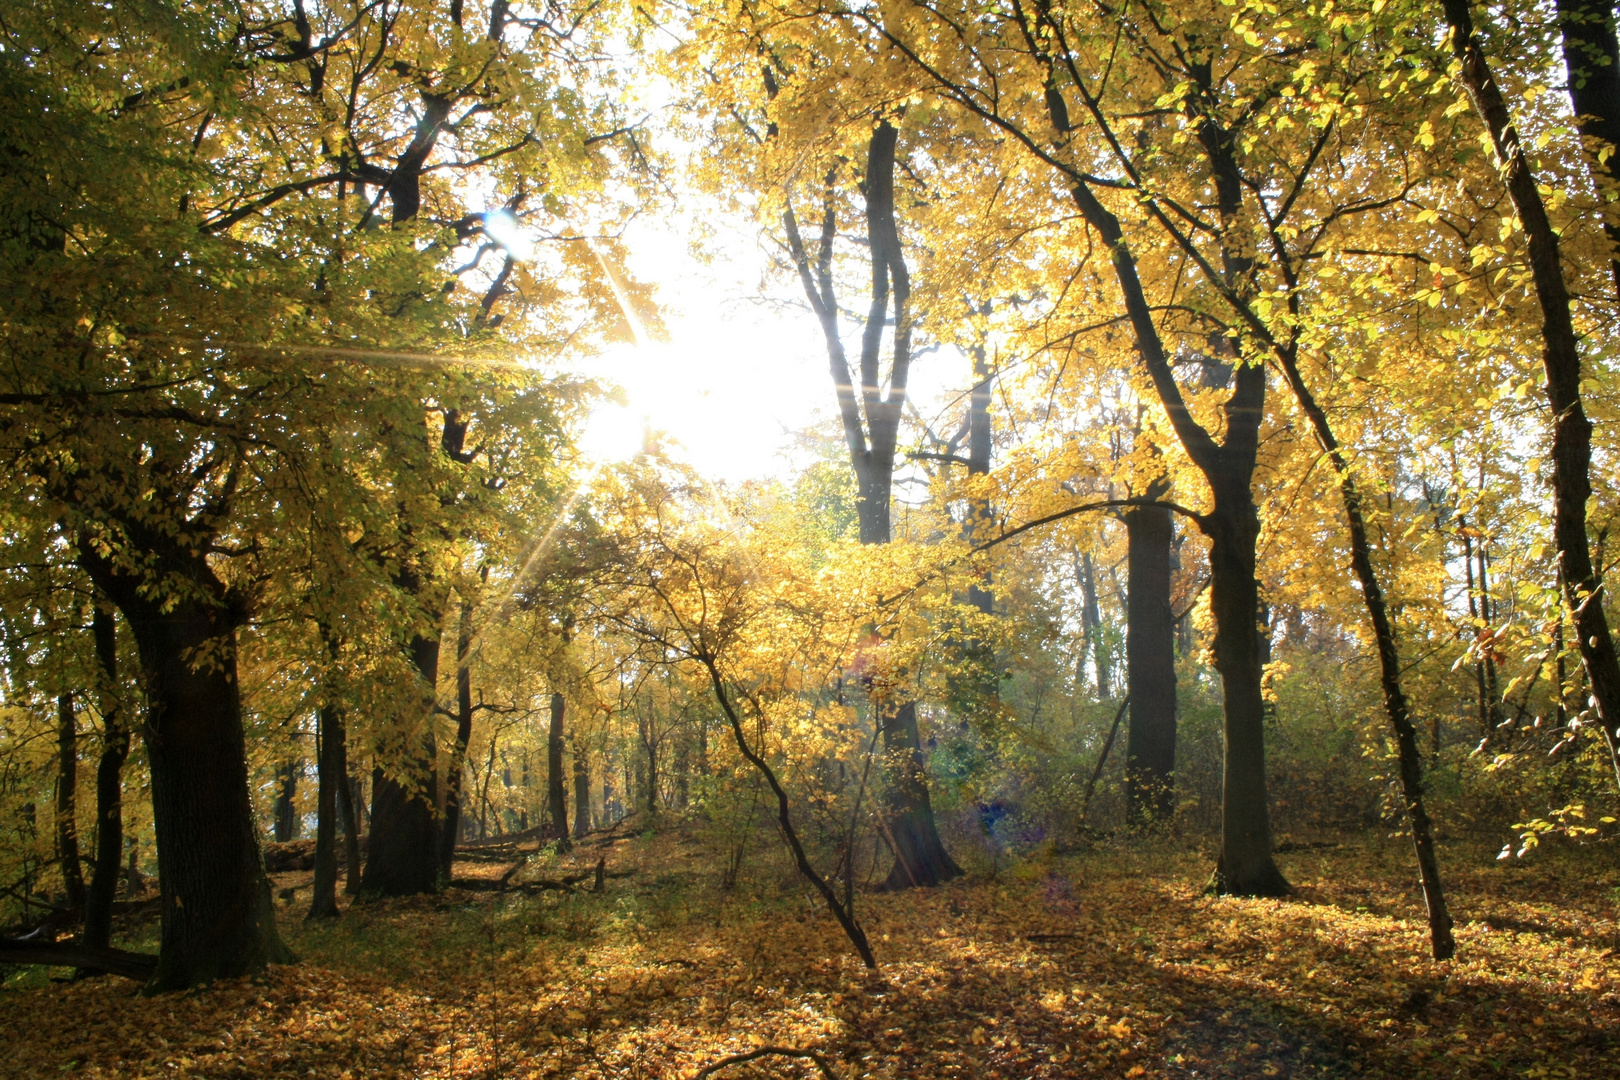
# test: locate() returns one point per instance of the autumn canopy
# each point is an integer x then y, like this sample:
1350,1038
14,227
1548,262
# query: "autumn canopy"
1172,638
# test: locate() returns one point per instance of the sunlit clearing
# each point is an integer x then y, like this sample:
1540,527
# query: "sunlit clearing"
613,433
503,228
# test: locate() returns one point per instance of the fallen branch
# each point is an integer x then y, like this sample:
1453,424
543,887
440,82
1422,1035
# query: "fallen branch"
566,883
131,965
768,1051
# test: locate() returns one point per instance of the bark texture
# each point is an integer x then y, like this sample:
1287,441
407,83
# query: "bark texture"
403,856
1150,656
556,786
329,778
218,918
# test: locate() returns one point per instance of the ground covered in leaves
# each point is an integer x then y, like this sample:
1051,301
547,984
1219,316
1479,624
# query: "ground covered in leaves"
1106,963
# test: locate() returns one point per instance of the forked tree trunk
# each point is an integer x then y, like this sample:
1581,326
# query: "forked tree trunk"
218,917
556,790
871,423
1245,866
1150,656
98,899
67,800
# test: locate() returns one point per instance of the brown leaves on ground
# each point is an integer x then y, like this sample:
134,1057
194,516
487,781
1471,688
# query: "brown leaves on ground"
1102,964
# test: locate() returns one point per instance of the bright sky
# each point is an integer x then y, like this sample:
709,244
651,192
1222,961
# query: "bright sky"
738,375
745,367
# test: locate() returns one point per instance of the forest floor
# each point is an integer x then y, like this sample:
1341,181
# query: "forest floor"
1106,963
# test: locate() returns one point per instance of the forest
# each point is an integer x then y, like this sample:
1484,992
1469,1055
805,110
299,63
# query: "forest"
1173,643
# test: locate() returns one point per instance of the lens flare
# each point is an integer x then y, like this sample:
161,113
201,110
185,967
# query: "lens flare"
504,229
613,433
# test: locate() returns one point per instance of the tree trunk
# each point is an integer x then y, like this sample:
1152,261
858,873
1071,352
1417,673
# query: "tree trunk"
920,858
1443,945
1091,625
286,818
582,789
1561,359
218,917
67,801
1245,866
1150,658
458,755
556,792
349,803
871,444
330,779
109,787
1592,59
403,857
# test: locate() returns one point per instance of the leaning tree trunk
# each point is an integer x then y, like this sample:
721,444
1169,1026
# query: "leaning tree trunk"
1150,658
556,793
67,801
1561,360
98,900
218,917
403,858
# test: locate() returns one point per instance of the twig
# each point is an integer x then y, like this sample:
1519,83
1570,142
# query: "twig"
1102,759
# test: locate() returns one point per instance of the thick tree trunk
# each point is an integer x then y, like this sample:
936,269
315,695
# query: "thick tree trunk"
67,801
218,917
582,789
920,858
1592,59
1561,360
98,899
1245,867
403,857
1150,657
556,788
330,779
